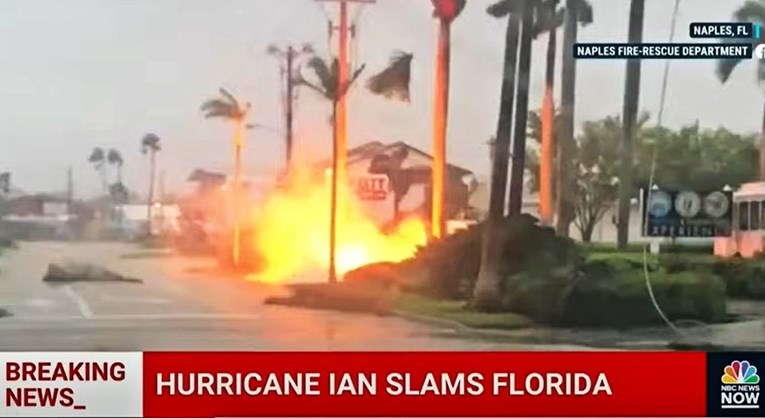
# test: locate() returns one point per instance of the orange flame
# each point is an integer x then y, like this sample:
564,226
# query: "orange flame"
292,233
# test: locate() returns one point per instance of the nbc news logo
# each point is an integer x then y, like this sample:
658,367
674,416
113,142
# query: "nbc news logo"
740,387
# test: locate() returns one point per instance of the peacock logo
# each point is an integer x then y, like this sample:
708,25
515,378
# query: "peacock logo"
740,373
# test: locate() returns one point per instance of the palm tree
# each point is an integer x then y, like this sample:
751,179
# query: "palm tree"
228,107
445,11
750,11
150,144
114,158
522,108
486,295
630,111
329,87
98,159
577,11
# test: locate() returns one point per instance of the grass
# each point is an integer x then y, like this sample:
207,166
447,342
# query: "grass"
457,311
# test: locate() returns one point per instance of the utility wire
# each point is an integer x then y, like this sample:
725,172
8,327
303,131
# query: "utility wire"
660,115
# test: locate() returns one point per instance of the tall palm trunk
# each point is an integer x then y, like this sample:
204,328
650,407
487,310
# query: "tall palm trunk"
236,193
565,208
548,117
440,115
486,295
150,201
630,112
333,198
521,111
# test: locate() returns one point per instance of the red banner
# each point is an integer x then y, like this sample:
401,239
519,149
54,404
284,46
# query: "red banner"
424,384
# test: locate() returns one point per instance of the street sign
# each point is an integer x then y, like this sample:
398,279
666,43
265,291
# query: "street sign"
372,187
687,213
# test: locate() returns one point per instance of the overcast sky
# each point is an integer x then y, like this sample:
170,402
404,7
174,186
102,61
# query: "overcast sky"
77,74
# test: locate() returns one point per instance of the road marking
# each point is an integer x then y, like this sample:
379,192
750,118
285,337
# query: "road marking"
82,305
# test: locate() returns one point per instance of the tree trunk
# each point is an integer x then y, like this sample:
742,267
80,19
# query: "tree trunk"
440,115
589,228
333,199
486,295
629,118
565,144
150,201
548,120
521,112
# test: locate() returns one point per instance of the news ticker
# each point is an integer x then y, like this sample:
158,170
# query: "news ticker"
393,384
735,49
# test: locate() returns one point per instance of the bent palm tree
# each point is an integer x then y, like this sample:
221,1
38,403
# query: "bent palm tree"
328,86
98,159
751,11
577,11
114,157
486,295
228,107
150,144
445,11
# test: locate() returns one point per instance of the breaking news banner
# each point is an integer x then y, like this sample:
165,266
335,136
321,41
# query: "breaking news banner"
416,384
663,51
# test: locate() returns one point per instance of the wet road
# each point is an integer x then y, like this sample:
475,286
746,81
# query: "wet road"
184,305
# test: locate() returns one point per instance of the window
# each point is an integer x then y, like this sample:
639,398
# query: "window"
743,216
754,216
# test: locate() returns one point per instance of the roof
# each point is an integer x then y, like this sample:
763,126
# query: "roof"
371,149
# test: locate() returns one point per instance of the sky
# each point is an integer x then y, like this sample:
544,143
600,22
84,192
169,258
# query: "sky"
78,74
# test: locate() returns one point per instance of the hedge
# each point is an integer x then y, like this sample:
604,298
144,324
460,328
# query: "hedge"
744,278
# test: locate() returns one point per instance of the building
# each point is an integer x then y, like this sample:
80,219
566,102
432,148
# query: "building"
393,181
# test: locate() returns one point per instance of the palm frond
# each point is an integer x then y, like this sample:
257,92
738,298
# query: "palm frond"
351,80
750,11
327,76
230,97
546,17
97,155
725,68
114,157
150,142
393,81
216,108
584,13
503,8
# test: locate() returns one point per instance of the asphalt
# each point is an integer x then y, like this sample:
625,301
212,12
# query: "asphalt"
186,304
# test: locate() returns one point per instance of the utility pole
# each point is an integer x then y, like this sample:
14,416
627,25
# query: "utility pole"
287,59
344,30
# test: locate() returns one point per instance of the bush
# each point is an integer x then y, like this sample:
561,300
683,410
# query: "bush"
744,278
621,299
452,263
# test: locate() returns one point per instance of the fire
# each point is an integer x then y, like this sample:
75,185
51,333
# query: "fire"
292,233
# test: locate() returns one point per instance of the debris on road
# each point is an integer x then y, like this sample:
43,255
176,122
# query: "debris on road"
68,272
346,297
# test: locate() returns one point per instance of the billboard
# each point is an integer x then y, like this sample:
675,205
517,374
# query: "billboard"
687,213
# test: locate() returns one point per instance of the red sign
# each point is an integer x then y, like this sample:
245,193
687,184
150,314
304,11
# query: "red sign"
372,187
